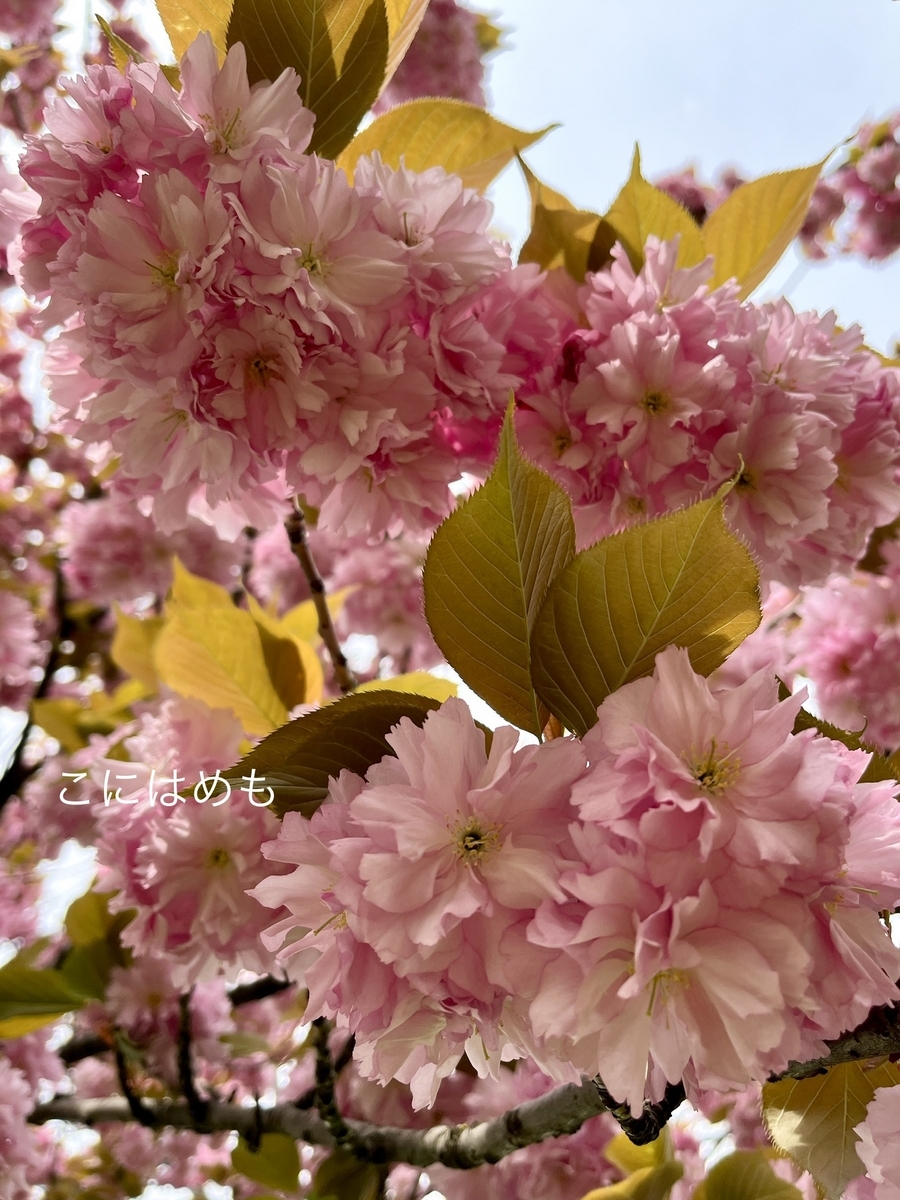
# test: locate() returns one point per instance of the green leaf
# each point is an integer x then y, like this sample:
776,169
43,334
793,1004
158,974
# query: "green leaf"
640,210
813,1120
462,138
487,570
120,50
561,234
88,919
339,48
682,580
31,998
745,1175
343,1176
299,759
185,19
881,766
275,1164
648,1183
749,232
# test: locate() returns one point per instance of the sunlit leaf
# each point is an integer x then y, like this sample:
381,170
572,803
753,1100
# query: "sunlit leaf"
298,760
682,580
487,571
193,591
31,998
404,18
276,1163
745,1175
132,646
420,683
813,1120
339,48
648,1183
185,19
561,234
641,209
299,665
462,138
302,621
344,1176
122,53
624,1154
750,231
216,655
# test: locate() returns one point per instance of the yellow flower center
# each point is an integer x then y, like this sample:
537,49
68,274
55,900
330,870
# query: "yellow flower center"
665,982
312,262
260,369
218,858
655,403
715,770
474,839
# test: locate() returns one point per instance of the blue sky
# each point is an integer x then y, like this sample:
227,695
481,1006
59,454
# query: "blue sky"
765,87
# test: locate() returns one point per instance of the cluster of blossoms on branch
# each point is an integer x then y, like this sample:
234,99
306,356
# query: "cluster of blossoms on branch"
239,307
691,892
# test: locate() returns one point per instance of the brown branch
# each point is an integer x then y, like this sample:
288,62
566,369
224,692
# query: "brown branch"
877,1037
560,1112
295,525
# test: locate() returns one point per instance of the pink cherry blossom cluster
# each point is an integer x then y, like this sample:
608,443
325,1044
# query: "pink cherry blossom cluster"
878,1147
856,208
27,30
444,59
698,197
137,558
691,892
844,638
186,870
671,389
237,312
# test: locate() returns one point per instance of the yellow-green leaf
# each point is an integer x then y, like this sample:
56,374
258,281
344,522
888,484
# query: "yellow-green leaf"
682,580
216,655
193,591
286,680
285,667
275,1163
132,647
299,759
813,1120
420,683
59,718
339,48
749,232
88,919
185,19
641,209
31,998
561,234
404,18
343,1176
745,1175
462,138
488,568
648,1183
624,1154
120,50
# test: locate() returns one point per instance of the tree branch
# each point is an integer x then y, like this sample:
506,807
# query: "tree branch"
877,1037
295,525
560,1112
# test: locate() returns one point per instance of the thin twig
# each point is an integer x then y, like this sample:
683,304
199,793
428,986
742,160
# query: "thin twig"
295,525
141,1113
197,1105
325,1080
